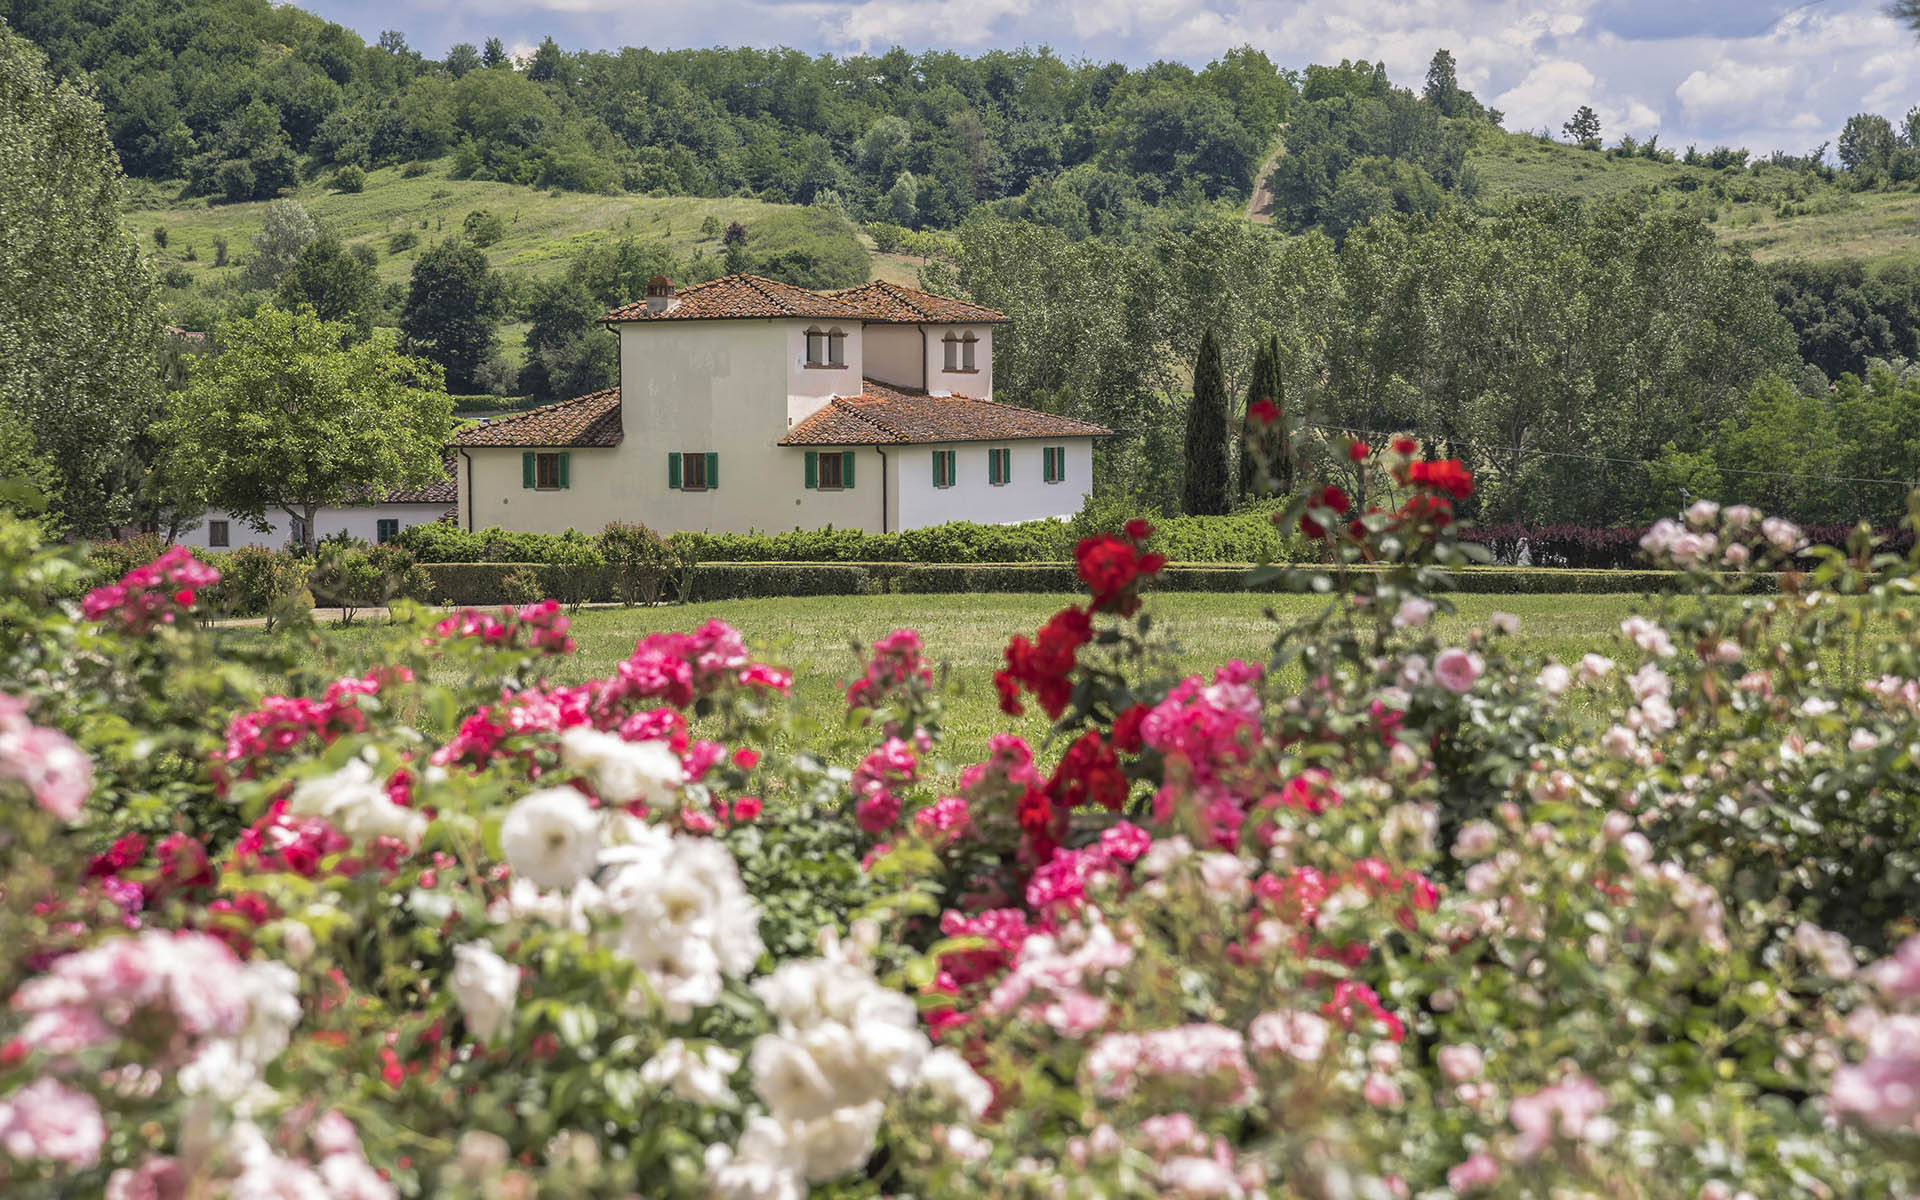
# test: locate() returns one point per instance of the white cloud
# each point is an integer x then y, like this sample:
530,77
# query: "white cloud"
1731,85
1547,96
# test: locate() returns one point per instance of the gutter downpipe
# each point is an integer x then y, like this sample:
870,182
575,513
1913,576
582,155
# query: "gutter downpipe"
924,371
882,451
468,495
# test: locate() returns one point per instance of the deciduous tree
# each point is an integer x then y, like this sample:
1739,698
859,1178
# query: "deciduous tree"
454,304
291,418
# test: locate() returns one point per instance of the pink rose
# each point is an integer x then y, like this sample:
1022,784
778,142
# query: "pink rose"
1457,669
49,1120
1478,1171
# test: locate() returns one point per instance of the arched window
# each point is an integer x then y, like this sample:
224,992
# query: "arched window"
816,347
837,347
952,345
967,360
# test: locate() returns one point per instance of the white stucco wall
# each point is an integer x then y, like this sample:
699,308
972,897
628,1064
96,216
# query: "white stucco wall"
914,502
361,522
978,382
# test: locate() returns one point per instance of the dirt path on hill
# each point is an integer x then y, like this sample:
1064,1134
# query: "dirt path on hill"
1260,206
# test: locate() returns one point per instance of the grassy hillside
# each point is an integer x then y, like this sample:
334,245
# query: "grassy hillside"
543,229
1777,214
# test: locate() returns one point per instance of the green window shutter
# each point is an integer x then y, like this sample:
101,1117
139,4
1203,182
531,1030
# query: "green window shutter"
564,481
938,462
846,468
813,469
526,469
713,469
993,466
1060,463
673,470
1046,463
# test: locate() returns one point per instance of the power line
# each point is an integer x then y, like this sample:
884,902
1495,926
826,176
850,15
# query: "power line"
1601,458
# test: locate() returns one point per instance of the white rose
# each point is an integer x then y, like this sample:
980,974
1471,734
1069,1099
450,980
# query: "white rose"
1413,612
949,1077
355,802
551,837
624,771
485,986
840,1142
700,1077
788,1079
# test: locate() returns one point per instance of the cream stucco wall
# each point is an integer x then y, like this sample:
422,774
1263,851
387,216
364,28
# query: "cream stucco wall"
914,501
897,354
810,387
977,383
361,521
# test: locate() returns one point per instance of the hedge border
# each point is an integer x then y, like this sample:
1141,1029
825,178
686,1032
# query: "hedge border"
484,583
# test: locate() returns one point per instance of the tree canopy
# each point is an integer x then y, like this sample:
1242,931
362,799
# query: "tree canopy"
291,417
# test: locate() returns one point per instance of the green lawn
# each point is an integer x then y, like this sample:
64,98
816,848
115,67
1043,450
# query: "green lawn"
815,637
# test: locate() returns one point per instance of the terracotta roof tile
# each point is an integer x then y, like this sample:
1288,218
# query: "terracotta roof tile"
884,415
732,297
891,303
590,420
441,491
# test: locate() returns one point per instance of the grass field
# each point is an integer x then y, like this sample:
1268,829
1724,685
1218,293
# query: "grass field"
1824,224
544,229
965,635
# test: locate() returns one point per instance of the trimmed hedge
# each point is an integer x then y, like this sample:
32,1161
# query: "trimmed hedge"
1243,537
484,583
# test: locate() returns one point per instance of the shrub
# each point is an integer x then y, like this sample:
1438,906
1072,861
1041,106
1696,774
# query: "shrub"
350,574
442,543
256,581
522,586
483,228
413,170
349,179
639,561
1416,915
402,241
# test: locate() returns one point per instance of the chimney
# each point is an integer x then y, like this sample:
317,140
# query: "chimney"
660,295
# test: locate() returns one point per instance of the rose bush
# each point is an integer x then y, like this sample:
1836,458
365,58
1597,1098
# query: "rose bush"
1375,913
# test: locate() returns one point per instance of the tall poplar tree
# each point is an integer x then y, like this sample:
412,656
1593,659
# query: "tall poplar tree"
1206,488
79,331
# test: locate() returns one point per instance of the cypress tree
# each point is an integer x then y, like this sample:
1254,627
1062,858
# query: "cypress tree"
1207,481
1276,439
1258,387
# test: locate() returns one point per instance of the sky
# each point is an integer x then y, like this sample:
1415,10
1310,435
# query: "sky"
1754,73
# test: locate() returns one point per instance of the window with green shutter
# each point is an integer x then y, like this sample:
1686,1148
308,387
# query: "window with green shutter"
943,473
829,471
693,470
999,467
1054,460
549,471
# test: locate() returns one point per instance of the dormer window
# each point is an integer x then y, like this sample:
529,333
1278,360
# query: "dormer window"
967,362
826,347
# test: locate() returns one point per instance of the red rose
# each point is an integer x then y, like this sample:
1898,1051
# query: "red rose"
1335,499
1405,446
1358,451
1265,412
1089,773
1126,729
1138,529
1447,475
